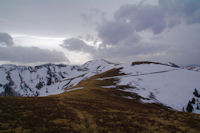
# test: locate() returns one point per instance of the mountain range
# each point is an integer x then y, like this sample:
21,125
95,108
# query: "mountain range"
100,85
164,83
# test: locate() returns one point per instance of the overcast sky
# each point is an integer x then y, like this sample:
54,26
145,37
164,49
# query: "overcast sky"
75,31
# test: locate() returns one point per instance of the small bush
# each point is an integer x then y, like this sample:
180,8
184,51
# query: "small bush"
49,82
193,100
39,85
7,90
189,107
196,93
197,107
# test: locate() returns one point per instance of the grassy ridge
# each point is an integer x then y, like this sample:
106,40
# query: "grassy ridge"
91,109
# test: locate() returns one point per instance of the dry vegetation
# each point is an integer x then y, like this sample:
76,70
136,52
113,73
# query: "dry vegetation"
91,109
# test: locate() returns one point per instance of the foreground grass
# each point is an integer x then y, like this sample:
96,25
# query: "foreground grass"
91,109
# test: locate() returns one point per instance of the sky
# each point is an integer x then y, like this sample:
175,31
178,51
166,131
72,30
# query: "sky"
75,31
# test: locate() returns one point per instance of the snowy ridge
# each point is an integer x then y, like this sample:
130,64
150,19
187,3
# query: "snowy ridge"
46,79
170,86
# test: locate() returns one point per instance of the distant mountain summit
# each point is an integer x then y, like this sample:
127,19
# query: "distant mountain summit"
193,67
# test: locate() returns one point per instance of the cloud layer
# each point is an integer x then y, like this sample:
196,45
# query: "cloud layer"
131,19
17,54
75,44
163,30
144,31
30,55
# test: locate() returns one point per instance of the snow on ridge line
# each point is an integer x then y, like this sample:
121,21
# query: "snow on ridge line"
46,79
145,68
173,88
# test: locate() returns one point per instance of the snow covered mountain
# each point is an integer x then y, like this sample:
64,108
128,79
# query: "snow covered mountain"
46,79
166,84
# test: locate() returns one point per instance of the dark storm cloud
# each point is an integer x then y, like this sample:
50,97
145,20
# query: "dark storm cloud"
12,53
130,19
75,44
30,55
115,32
189,10
116,53
126,53
6,39
93,17
142,17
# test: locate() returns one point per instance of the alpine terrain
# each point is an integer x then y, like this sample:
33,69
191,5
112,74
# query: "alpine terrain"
100,96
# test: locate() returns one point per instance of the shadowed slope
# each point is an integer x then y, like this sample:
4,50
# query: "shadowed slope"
92,109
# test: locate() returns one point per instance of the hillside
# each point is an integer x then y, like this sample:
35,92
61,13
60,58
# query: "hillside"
100,96
154,82
160,83
92,109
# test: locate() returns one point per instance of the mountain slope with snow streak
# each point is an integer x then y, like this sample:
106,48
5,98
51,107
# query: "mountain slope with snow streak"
46,79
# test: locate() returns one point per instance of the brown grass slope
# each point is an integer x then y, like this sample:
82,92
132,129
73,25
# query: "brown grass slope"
92,109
